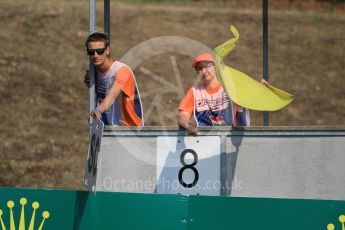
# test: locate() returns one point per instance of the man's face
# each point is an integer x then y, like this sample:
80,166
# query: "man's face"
206,70
98,53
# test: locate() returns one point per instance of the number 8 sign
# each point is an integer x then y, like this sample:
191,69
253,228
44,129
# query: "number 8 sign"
188,165
96,133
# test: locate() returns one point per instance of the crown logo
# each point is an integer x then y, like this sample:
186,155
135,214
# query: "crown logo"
21,226
341,220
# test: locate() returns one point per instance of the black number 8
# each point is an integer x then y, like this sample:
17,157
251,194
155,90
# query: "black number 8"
188,166
94,149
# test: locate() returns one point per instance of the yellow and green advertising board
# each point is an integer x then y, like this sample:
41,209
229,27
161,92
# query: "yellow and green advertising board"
33,209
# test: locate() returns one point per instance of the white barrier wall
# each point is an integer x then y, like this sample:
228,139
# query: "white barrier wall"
290,162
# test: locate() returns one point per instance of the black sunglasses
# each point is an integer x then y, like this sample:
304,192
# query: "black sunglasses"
99,51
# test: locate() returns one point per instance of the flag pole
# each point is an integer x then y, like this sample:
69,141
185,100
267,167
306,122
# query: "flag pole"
92,92
265,50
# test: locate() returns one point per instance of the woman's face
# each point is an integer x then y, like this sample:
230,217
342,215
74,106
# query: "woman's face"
206,71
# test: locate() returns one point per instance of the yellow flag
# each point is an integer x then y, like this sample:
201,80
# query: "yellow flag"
244,90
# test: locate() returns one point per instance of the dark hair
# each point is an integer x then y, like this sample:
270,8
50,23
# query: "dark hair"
96,37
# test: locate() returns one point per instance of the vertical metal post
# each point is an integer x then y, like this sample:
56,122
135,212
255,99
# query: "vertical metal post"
107,17
265,50
92,91
223,167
